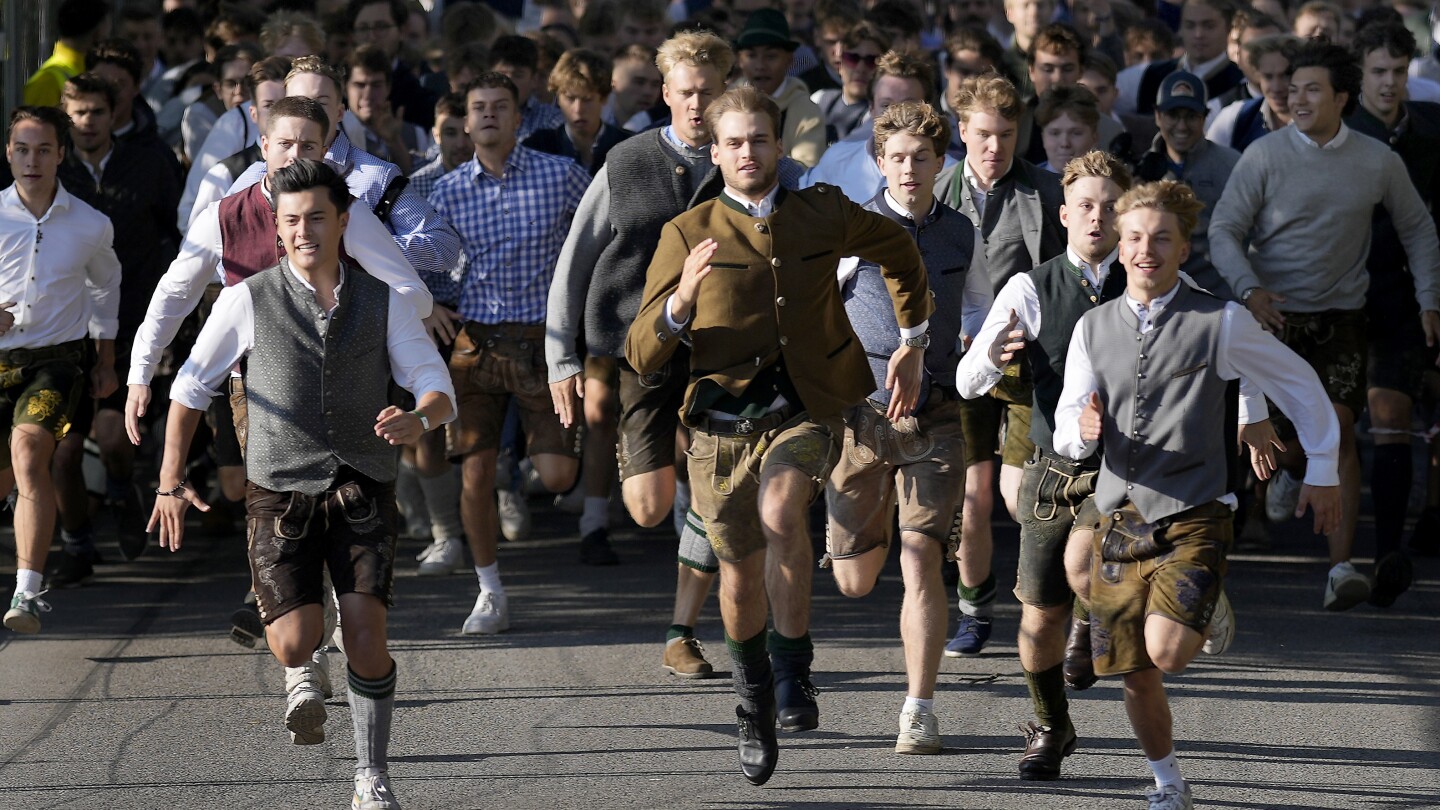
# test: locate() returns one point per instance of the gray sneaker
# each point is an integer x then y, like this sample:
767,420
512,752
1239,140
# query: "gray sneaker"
24,613
919,733
305,706
372,791
1171,797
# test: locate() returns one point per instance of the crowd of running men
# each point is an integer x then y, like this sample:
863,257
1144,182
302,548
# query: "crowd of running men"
1145,270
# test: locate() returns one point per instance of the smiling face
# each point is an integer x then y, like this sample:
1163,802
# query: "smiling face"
1315,107
34,153
1066,138
310,228
747,150
1385,83
1273,71
910,166
1089,217
289,140
688,92
492,118
1152,250
989,144
1181,129
765,66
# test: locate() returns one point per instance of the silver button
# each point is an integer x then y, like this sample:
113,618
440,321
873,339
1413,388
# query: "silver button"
784,341
775,262
660,336
780,302
679,169
760,226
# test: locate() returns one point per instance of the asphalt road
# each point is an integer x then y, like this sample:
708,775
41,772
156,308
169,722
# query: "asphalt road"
133,697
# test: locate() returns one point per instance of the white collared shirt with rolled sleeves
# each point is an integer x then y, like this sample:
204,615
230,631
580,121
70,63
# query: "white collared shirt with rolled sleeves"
1246,352
229,335
198,265
59,270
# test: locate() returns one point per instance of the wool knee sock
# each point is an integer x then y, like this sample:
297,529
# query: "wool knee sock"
373,704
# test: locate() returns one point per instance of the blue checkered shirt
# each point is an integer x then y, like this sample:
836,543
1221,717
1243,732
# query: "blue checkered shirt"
512,228
423,179
426,239
537,115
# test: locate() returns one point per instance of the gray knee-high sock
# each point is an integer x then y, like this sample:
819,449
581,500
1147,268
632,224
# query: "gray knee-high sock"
695,550
373,704
410,498
442,499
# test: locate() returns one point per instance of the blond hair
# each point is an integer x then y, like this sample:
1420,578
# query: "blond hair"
1097,164
283,25
743,99
697,49
906,63
918,119
988,93
581,71
319,67
1167,197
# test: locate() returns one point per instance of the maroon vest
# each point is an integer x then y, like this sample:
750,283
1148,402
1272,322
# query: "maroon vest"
248,241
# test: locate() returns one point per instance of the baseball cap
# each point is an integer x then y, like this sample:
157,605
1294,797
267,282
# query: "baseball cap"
1181,90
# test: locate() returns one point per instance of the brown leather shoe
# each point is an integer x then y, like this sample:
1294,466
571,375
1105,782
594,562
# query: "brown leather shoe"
685,658
1079,668
1044,748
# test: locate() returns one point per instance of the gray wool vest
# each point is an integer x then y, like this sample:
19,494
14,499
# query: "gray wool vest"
314,383
649,186
947,242
1065,295
1170,420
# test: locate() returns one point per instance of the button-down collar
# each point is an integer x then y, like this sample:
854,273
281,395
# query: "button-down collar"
1335,142
518,160
1148,314
11,197
1098,272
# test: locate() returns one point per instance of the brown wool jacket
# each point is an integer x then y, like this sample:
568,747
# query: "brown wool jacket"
773,293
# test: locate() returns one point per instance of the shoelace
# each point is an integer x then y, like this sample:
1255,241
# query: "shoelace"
914,718
743,723
1031,731
694,644
806,686
372,786
34,599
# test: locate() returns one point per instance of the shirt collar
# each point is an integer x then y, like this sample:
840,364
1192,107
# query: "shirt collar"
763,207
1205,69
339,151
900,210
339,284
1335,142
1154,308
975,184
518,159
10,197
1100,269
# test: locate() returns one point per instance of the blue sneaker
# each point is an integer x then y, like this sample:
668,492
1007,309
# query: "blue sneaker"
971,636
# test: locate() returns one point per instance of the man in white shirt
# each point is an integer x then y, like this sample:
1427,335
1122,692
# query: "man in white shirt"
1160,523
54,293
316,453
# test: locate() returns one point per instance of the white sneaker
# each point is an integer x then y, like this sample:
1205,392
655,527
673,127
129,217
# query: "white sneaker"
1346,587
305,707
319,666
919,733
24,613
1222,627
427,551
447,558
1171,797
1282,496
490,616
514,514
372,791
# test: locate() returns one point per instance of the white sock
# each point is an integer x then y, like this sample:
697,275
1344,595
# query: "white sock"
27,581
596,515
1342,568
926,705
490,579
1167,771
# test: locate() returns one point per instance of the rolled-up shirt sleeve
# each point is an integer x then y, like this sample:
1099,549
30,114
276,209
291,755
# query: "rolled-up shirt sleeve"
415,363
1080,383
228,335
976,374
177,294
102,282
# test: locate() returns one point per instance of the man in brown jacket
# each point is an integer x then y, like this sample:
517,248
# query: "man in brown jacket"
751,276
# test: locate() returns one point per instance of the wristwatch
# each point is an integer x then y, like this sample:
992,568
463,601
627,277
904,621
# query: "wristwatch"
424,422
919,342
1245,296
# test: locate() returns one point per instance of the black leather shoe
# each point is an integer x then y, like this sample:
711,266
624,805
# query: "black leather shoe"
796,697
1079,668
758,750
1044,748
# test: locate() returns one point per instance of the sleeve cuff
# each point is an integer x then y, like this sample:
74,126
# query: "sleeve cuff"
191,393
1322,473
914,331
675,326
565,369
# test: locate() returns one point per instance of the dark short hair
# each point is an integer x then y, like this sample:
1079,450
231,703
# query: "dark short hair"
1097,62
972,38
78,18
399,12
1225,8
491,80
298,107
1395,38
117,52
89,84
897,15
54,117
472,56
248,51
1055,39
513,49
1345,74
1377,15
303,175
139,12
1152,29
269,69
184,21
370,59
451,104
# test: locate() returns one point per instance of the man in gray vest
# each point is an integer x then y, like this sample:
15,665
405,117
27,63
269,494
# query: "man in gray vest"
321,340
1153,375
914,465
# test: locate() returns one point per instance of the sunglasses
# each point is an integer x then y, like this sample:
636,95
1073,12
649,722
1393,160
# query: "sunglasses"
852,59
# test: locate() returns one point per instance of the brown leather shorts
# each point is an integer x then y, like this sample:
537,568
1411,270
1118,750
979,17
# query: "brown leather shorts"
490,364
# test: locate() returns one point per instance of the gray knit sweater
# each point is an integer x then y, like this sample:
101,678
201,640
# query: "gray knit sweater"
1304,214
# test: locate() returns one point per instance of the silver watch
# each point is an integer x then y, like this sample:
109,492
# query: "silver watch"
918,342
424,421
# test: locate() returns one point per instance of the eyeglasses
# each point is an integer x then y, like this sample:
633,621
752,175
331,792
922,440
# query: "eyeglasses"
853,59
374,28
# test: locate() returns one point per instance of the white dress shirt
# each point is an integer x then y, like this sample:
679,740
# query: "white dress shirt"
366,241
233,131
229,335
1127,81
1245,350
60,270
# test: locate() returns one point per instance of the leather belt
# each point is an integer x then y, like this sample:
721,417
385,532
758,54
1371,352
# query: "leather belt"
744,425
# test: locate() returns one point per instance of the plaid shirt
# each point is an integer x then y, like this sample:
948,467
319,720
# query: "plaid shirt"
537,115
512,229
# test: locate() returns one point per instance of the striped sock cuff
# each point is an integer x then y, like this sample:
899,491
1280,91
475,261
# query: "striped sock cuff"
377,689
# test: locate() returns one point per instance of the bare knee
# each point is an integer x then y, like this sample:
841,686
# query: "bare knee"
557,473
852,578
648,499
781,520
1169,661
